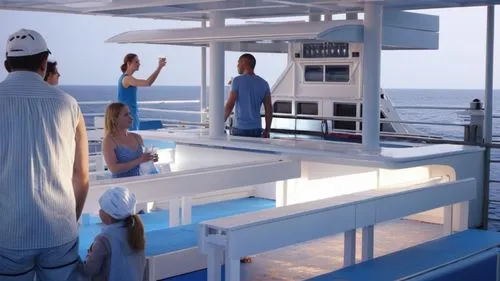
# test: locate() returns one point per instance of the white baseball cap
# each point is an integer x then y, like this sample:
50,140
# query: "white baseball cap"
25,42
118,202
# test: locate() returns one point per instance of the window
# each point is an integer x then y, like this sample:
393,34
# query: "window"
307,108
344,110
282,107
313,73
337,73
326,73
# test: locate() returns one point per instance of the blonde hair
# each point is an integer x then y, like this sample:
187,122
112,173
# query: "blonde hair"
111,117
135,233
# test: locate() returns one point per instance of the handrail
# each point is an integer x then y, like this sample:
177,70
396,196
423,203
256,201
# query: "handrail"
430,107
141,102
343,118
171,110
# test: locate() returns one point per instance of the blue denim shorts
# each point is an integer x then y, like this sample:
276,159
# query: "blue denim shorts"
49,264
255,133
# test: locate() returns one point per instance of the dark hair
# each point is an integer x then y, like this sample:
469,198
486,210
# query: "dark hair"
29,63
51,69
128,58
6,65
251,60
135,233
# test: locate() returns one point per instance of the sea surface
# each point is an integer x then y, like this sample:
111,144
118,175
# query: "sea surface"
399,97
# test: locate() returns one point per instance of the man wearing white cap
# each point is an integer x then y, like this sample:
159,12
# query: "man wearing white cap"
44,177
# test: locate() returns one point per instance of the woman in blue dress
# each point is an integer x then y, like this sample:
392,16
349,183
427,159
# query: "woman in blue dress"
122,150
127,84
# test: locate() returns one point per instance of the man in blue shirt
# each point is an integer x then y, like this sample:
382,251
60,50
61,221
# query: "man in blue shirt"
248,92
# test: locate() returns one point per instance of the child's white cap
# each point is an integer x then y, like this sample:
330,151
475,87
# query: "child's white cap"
118,202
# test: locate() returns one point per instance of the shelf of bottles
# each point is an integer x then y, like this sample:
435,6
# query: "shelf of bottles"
325,50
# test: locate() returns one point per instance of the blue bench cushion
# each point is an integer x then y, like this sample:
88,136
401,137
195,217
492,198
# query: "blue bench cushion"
418,258
160,239
150,125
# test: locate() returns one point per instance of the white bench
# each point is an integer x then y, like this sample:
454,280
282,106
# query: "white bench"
257,232
178,187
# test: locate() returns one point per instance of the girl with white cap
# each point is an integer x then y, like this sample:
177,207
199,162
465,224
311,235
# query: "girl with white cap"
117,254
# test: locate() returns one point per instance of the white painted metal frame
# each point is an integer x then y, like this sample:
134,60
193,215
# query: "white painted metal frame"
257,232
179,187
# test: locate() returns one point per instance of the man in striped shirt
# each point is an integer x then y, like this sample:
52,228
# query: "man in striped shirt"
44,175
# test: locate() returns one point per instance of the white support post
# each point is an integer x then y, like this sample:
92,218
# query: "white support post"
488,96
203,91
488,111
367,243
372,51
463,216
173,212
216,103
186,207
349,247
214,261
150,261
281,193
448,219
232,268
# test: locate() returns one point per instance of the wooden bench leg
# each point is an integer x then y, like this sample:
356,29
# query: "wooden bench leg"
232,269
214,261
367,243
173,212
186,204
349,247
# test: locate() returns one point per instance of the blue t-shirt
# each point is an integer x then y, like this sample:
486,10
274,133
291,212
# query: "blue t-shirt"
251,90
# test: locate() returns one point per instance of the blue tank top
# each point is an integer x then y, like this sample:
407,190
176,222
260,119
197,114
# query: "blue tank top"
128,96
124,155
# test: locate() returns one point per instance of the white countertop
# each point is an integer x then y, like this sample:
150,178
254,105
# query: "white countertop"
319,150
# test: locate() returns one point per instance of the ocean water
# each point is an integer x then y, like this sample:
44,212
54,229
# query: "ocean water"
429,97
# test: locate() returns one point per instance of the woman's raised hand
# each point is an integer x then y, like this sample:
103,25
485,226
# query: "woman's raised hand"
162,61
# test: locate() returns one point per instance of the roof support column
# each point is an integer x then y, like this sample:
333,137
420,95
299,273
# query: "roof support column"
371,75
488,111
203,91
488,97
216,99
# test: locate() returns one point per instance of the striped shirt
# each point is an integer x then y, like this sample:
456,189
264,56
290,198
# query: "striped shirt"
37,150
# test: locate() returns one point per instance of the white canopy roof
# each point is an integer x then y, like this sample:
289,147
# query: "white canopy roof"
200,9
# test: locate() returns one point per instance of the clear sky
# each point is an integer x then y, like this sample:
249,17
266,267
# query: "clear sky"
77,43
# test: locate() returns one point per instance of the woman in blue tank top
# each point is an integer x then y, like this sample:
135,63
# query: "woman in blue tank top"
127,84
122,150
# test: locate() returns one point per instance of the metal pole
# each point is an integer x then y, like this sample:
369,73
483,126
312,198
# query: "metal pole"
371,75
216,111
203,92
488,111
488,97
